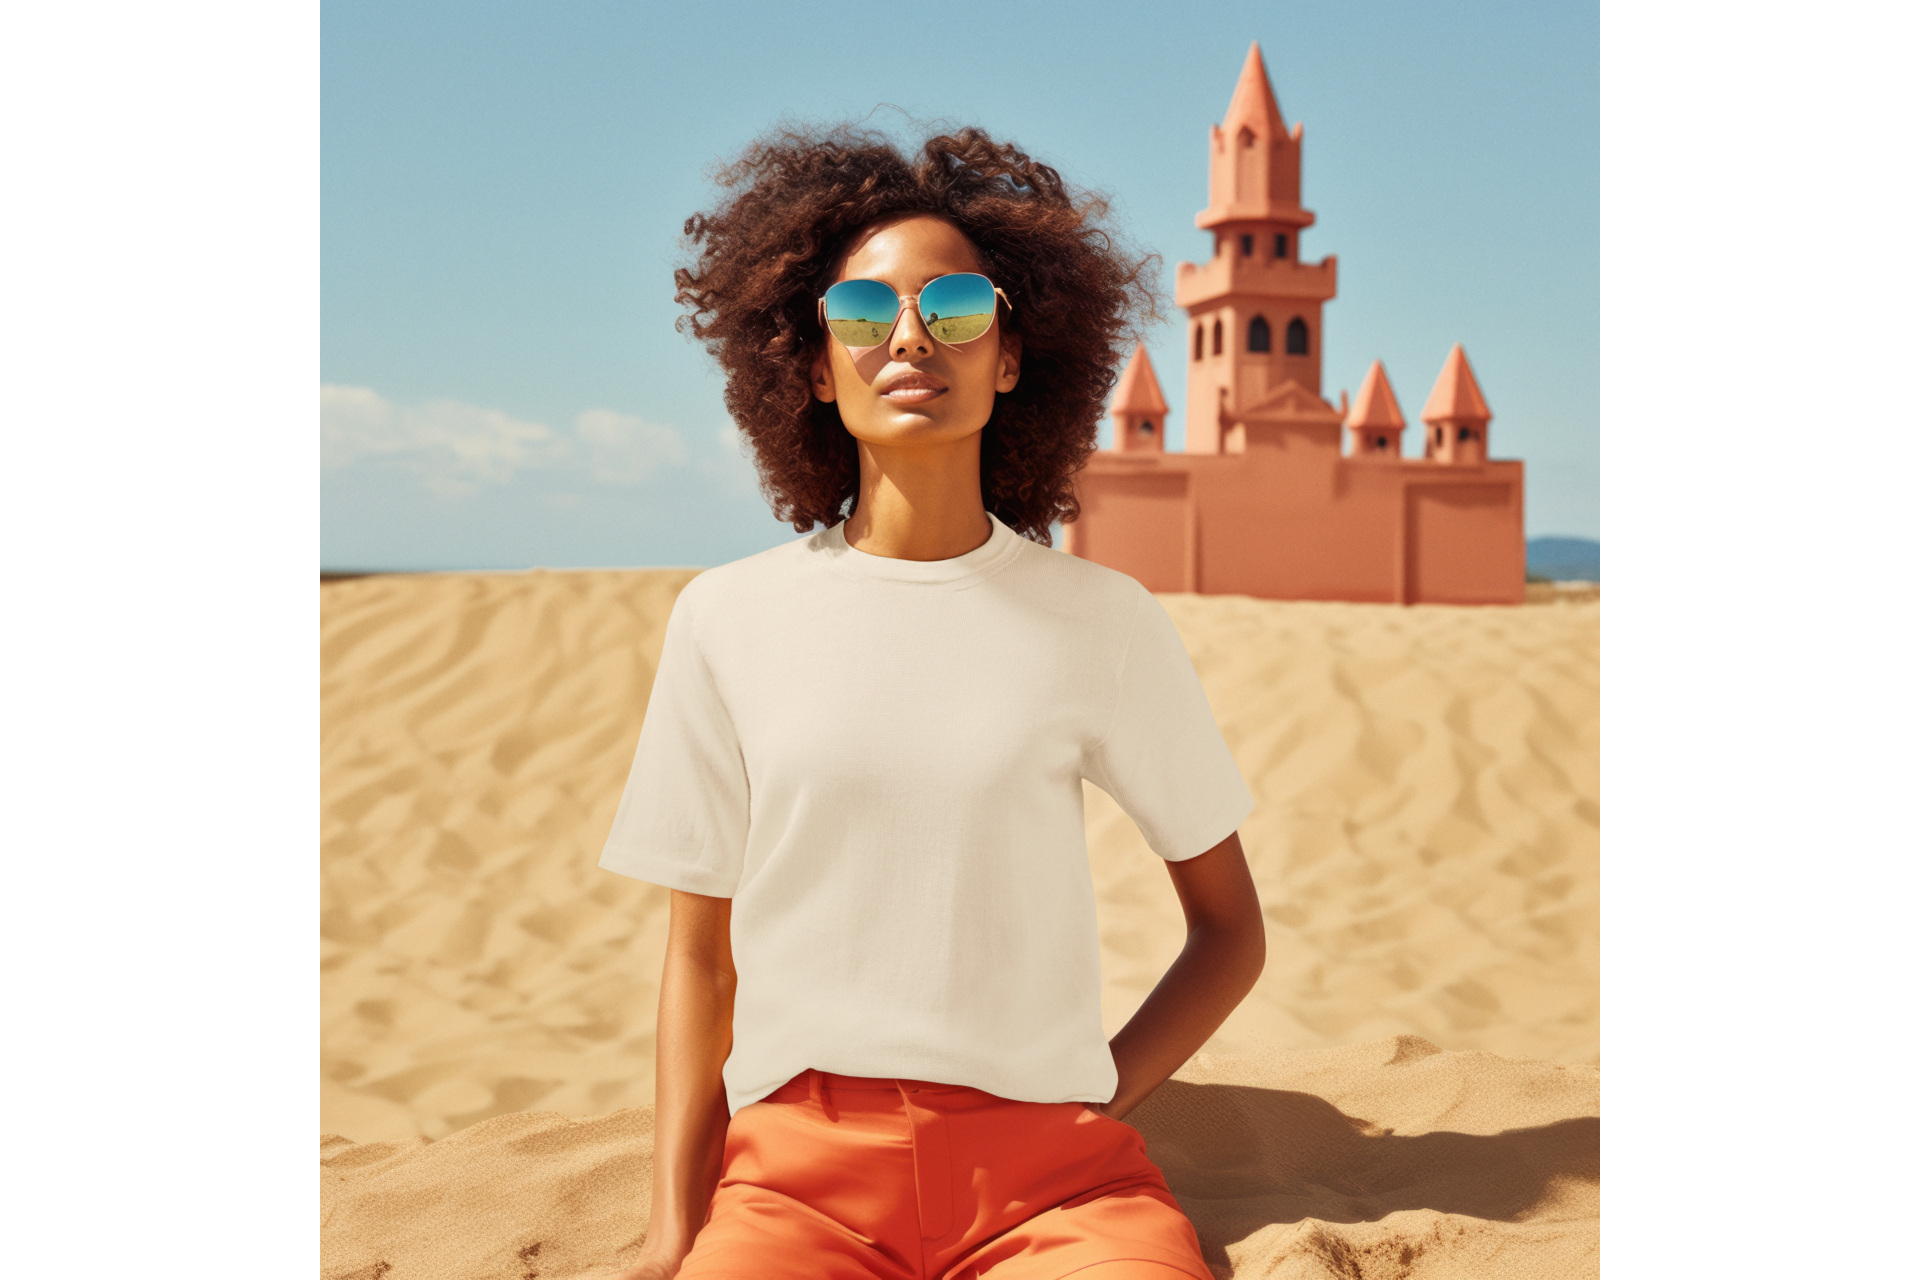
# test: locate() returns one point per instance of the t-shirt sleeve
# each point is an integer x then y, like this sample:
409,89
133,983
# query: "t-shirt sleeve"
682,820
1163,758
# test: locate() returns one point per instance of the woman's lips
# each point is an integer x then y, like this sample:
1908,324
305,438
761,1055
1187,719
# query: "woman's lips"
913,390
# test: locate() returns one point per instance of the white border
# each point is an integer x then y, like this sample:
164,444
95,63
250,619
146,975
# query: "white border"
161,296
1757,450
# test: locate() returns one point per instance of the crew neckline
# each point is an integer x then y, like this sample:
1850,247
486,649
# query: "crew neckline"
1001,546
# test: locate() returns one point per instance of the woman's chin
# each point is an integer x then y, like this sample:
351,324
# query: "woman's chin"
913,424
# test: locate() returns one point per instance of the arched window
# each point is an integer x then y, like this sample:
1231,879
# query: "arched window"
1296,337
1466,434
1379,442
1146,427
1199,341
1217,332
1259,337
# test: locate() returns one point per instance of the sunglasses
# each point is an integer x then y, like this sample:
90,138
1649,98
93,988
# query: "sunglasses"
956,309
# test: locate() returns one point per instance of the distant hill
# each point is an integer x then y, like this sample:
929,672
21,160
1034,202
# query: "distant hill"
1564,559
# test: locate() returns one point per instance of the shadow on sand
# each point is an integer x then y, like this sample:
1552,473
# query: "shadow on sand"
1241,1158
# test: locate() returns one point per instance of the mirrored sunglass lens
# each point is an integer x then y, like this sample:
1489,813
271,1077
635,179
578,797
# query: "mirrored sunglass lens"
958,308
861,312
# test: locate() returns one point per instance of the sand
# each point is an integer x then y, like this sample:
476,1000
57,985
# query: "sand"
1425,843
1390,1159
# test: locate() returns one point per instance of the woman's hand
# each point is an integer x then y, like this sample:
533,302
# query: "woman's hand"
656,1262
649,1269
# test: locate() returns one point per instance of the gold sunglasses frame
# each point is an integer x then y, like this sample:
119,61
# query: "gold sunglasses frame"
820,308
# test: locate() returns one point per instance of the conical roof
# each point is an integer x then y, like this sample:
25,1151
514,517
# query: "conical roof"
1139,391
1375,408
1456,396
1253,160
1253,102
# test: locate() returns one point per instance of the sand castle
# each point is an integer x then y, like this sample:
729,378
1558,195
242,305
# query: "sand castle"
1263,501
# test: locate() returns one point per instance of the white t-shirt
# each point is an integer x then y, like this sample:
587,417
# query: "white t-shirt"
879,761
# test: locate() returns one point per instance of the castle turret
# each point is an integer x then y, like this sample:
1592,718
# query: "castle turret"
1456,414
1253,169
1373,421
1254,308
1139,409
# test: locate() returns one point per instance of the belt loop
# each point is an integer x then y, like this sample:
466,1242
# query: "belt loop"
816,1089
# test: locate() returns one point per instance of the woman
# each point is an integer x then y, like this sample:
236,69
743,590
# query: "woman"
880,1050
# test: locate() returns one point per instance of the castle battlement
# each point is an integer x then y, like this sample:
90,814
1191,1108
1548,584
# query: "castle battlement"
1197,283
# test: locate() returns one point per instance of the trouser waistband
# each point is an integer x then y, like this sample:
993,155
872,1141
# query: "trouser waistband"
813,1076
821,1086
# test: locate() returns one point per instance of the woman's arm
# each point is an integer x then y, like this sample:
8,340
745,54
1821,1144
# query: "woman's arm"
693,1036
1226,949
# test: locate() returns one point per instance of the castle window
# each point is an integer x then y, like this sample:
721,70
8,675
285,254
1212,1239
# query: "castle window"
1259,337
1246,246
1296,337
1246,136
1146,427
1199,341
1279,246
1466,434
1216,337
1379,442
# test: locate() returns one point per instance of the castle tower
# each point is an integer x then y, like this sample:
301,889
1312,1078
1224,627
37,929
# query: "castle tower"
1456,414
1253,310
1374,422
1139,409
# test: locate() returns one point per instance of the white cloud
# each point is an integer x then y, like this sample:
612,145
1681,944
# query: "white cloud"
734,469
623,449
354,421
457,448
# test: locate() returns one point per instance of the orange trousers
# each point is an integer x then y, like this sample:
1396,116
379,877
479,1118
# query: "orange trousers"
834,1177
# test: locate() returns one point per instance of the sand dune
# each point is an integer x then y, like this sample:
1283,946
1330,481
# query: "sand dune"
1426,846
1389,1159
1426,837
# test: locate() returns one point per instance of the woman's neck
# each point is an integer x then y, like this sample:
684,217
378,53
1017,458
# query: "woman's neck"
919,503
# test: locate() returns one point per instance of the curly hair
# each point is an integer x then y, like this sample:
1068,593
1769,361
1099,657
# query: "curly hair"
800,196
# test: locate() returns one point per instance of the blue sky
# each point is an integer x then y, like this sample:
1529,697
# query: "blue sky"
503,188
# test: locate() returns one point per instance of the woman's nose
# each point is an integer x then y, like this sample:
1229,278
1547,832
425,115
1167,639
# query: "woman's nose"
910,336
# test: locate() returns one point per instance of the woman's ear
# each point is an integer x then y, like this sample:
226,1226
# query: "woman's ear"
1009,377
821,377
